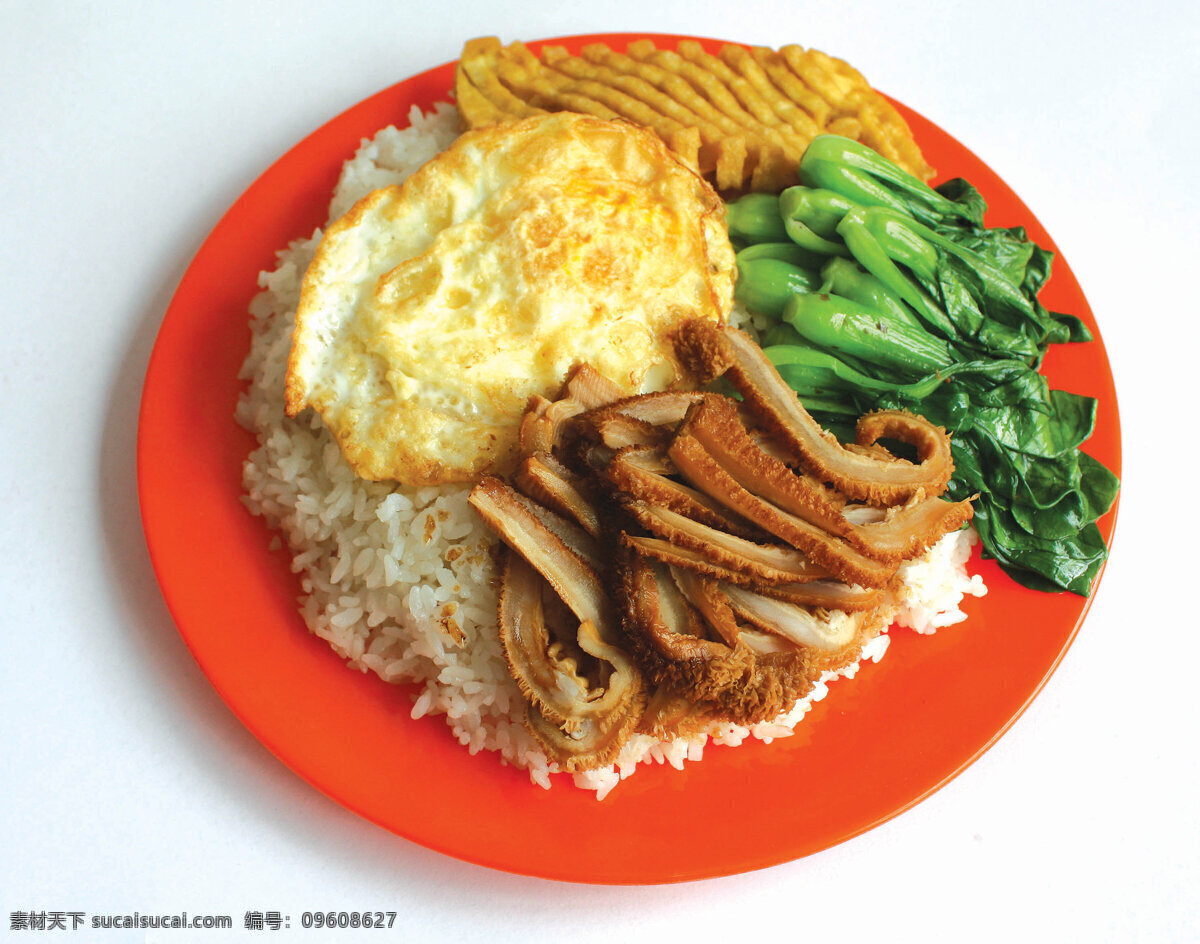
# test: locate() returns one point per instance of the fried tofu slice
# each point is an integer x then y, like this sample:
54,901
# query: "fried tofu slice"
742,117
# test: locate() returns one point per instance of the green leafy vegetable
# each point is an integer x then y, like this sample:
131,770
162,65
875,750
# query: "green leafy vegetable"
863,175
755,218
844,326
889,294
766,284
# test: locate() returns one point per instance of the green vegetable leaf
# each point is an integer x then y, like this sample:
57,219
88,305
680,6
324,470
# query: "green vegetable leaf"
921,307
863,175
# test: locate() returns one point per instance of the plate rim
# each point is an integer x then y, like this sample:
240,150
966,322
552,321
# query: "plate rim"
159,565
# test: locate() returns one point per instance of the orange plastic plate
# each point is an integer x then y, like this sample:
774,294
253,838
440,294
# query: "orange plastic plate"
875,747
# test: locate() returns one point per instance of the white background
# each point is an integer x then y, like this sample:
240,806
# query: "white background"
128,128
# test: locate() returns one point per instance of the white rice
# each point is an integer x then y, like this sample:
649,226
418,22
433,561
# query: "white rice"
399,581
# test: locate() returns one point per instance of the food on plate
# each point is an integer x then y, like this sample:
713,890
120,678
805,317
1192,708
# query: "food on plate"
617,541
434,309
647,614
858,471
743,116
883,293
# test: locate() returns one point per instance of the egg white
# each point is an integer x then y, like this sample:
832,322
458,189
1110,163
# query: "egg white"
432,311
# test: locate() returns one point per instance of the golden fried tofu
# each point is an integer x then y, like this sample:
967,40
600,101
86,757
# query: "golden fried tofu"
743,117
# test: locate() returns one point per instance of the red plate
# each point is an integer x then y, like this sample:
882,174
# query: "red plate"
874,748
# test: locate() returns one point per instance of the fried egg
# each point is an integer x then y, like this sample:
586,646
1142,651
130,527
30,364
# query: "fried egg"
432,311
